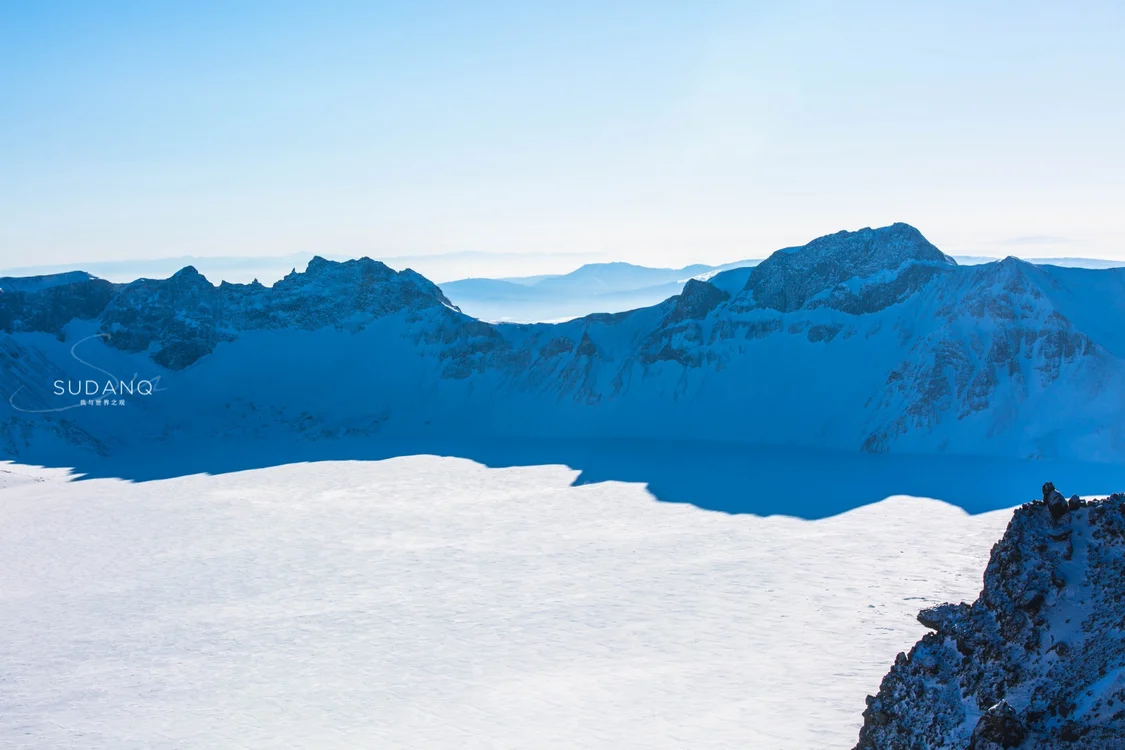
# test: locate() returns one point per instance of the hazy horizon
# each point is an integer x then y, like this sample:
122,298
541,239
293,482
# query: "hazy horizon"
441,268
661,134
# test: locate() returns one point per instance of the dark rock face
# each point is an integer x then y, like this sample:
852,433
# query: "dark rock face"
881,294
1038,661
697,299
999,727
680,336
586,346
184,318
1055,501
46,309
788,279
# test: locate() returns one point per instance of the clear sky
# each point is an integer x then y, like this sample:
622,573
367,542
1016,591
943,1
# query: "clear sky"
663,133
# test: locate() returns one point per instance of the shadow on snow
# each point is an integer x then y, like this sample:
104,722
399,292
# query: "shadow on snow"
726,477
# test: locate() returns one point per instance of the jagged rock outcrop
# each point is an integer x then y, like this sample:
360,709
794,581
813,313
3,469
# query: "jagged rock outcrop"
697,299
183,318
881,291
998,727
45,304
680,336
1037,661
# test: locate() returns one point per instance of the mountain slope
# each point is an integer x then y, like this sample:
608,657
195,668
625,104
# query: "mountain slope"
872,340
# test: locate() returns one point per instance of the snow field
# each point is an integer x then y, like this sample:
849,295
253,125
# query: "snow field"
430,602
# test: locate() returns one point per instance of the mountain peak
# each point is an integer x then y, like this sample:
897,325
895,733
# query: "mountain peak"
188,273
319,265
789,278
1011,261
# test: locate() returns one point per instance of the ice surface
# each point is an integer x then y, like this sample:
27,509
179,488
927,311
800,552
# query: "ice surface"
433,602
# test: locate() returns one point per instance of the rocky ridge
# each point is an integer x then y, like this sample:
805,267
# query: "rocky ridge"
871,340
1037,661
790,278
183,318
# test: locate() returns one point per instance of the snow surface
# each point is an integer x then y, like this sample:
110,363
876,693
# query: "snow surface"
434,602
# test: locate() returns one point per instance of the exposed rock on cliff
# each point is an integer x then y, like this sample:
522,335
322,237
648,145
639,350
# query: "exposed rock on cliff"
183,318
1038,661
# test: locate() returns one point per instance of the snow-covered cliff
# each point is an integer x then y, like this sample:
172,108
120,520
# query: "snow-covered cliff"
1037,661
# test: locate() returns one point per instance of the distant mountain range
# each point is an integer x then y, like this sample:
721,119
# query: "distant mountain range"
1092,263
241,269
616,287
872,340
591,288
595,287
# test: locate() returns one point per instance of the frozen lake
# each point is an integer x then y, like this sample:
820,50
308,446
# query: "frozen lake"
435,602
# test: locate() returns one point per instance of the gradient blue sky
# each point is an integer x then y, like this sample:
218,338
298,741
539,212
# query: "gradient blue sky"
653,132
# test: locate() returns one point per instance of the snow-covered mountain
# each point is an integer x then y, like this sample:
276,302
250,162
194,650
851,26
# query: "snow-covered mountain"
871,340
37,283
1037,661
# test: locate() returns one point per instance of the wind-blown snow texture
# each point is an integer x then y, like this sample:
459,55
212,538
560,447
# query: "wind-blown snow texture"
1038,661
427,602
871,340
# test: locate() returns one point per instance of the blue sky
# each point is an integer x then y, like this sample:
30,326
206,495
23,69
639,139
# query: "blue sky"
663,133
